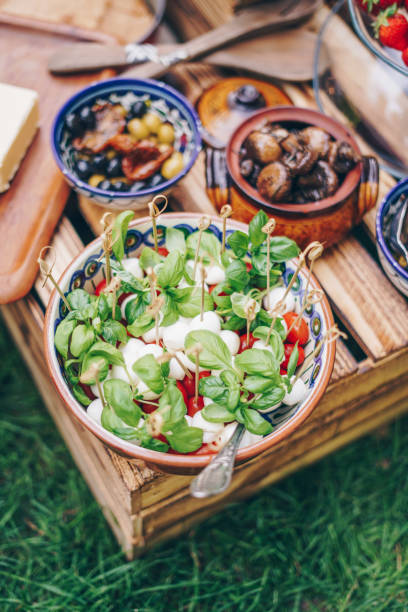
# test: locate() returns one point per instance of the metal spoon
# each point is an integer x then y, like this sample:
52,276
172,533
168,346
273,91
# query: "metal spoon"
216,477
399,228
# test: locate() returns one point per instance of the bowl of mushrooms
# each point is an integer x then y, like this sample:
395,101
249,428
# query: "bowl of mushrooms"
304,168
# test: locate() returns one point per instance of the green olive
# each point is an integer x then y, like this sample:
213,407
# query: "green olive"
138,129
95,179
166,133
152,122
172,166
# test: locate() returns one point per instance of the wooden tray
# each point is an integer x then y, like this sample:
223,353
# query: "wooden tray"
368,387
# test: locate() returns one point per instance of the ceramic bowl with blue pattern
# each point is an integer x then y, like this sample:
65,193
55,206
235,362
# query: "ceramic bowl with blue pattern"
386,211
165,101
86,271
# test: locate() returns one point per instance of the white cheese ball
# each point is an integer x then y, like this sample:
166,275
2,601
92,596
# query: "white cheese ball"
214,274
276,295
223,437
94,388
151,349
260,344
249,438
94,411
132,350
150,336
176,370
202,423
299,392
146,393
231,339
209,436
190,365
189,420
207,401
132,265
211,321
175,334
120,372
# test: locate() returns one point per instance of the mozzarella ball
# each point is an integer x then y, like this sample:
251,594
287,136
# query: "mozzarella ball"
276,295
187,363
231,339
298,394
207,401
150,336
202,423
132,350
208,437
152,349
223,437
176,370
249,438
189,420
215,274
132,265
120,372
94,388
211,321
94,411
145,391
260,344
175,334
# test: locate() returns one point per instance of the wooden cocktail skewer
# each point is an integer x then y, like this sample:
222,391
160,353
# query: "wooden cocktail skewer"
107,243
275,312
154,213
312,252
151,275
331,335
203,275
113,287
47,269
203,224
250,314
196,350
268,228
299,266
313,297
154,310
172,355
225,212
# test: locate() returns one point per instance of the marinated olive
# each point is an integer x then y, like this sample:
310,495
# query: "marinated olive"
95,180
138,129
172,166
138,109
114,167
138,186
74,124
155,180
110,153
166,133
87,117
152,122
83,169
120,186
98,163
106,185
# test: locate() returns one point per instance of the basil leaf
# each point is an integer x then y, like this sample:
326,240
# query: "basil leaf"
103,307
119,233
175,240
150,372
229,377
172,407
283,249
275,341
256,235
169,310
185,439
209,245
239,302
188,301
170,272
149,258
223,301
257,361
119,396
113,331
258,384
215,353
141,325
237,275
260,264
238,241
82,338
108,352
130,284
234,396
265,319
136,307
269,399
212,387
234,323
147,441
255,423
115,425
78,299
89,361
71,369
62,336
293,359
80,395
217,414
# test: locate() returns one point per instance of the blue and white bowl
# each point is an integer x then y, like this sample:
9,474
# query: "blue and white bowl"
165,100
388,207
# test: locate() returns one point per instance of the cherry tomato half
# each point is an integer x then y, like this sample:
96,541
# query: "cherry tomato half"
162,251
243,344
288,351
299,332
100,287
181,388
189,383
194,406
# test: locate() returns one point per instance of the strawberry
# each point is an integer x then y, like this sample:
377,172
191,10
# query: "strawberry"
405,55
392,29
375,6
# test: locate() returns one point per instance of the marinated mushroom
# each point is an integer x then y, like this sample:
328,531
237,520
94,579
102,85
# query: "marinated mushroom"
317,139
263,148
323,180
345,158
274,182
301,162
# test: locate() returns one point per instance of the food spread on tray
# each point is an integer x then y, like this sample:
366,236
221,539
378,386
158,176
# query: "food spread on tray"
19,118
390,23
124,143
178,345
288,162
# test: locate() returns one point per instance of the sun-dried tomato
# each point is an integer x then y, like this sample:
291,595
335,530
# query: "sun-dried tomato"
145,160
109,122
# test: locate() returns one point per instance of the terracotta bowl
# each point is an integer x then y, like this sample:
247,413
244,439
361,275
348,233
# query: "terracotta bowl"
326,220
86,271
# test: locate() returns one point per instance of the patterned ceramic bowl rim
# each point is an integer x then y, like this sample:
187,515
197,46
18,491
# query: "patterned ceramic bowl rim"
132,85
391,196
167,459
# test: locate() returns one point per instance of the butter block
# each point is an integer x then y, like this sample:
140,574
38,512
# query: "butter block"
19,117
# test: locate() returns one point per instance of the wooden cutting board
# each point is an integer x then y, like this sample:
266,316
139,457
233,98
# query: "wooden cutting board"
30,209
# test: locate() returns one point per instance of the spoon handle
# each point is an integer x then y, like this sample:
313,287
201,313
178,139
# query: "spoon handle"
216,477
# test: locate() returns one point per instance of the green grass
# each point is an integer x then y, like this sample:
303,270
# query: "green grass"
332,537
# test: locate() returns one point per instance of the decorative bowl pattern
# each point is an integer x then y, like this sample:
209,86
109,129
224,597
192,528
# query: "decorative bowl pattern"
396,273
86,271
166,101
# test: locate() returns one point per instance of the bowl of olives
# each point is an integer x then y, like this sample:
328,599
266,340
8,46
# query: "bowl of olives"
120,142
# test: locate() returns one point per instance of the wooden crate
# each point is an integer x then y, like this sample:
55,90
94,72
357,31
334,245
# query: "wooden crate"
368,386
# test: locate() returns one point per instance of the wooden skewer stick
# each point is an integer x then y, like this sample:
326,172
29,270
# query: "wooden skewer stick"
275,312
203,274
196,350
250,313
299,266
331,335
312,252
154,213
47,269
113,287
225,212
152,278
107,224
171,355
203,224
313,297
268,228
154,310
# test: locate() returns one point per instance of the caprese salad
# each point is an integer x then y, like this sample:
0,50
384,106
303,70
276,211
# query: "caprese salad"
180,344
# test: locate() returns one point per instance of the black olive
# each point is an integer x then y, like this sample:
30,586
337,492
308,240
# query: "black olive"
138,109
74,124
137,186
246,167
98,164
87,117
106,185
83,169
120,186
254,175
155,180
114,167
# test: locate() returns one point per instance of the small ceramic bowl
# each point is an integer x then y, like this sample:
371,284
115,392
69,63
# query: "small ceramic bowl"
326,220
86,271
168,103
396,273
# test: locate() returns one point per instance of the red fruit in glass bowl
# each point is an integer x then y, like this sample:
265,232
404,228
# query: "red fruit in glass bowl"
373,7
392,30
404,55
